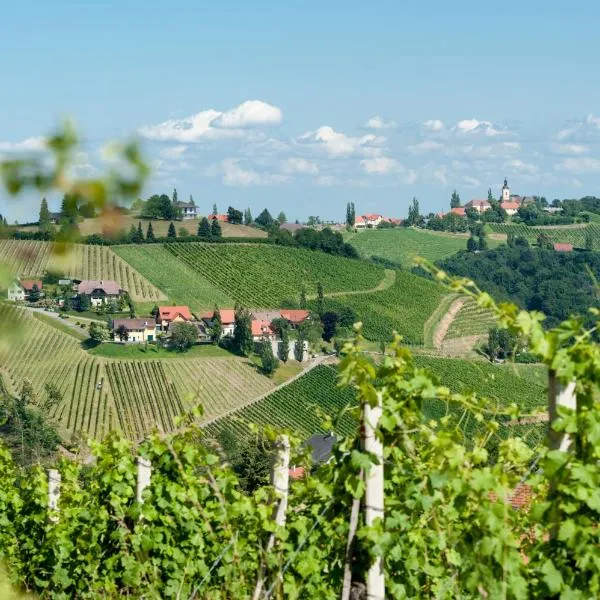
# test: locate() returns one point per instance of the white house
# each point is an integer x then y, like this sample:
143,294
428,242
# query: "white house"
100,291
138,330
19,291
188,210
479,205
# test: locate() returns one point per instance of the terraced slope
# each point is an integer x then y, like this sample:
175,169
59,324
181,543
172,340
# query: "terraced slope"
30,258
471,320
132,396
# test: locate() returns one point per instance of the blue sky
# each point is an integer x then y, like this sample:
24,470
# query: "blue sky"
303,106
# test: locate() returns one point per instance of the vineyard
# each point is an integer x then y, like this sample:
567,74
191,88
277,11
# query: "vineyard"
575,235
470,320
404,307
262,275
179,282
403,244
132,396
300,407
30,258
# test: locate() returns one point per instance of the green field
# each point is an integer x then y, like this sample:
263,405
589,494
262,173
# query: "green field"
404,307
262,276
181,284
568,234
102,394
153,352
471,320
403,244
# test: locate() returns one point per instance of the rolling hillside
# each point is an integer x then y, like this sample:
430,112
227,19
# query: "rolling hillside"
570,234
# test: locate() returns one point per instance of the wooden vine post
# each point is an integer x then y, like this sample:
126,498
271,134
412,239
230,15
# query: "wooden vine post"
144,472
54,480
374,492
560,395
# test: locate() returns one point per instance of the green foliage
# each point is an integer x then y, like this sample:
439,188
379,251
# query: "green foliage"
98,332
44,218
171,234
182,336
242,332
204,230
159,207
234,216
268,360
215,229
575,234
264,219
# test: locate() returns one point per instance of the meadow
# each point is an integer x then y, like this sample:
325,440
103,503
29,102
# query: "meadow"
401,245
33,259
262,276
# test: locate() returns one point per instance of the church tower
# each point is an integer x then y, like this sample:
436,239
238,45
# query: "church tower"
505,192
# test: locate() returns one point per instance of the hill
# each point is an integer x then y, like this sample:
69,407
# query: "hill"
401,245
569,234
132,396
29,258
259,276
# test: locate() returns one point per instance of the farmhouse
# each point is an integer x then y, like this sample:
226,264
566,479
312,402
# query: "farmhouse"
261,330
294,316
188,210
510,208
479,205
19,291
563,247
227,319
172,314
100,291
220,218
458,210
136,330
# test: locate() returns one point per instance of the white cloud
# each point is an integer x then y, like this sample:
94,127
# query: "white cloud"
340,144
474,126
593,120
379,166
327,180
173,152
470,182
234,174
252,113
580,128
300,165
377,122
520,166
411,176
212,124
434,125
579,165
27,145
441,174
425,146
512,145
569,148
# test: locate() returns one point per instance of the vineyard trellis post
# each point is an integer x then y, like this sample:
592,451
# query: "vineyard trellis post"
144,472
560,395
280,479
374,492
54,479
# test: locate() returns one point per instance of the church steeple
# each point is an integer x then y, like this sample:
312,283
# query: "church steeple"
505,191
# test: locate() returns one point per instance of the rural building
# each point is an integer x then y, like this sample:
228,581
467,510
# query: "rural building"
220,218
563,247
188,210
227,319
458,210
54,218
138,330
262,329
19,291
172,314
291,227
479,205
510,208
360,223
294,316
204,335
100,291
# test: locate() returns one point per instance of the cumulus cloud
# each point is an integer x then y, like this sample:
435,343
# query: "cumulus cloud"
425,146
213,124
379,166
441,174
520,166
470,182
569,148
173,152
234,174
300,165
377,122
335,143
471,126
27,145
579,165
434,125
410,177
582,128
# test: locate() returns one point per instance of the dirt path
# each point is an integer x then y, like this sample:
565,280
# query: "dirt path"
389,278
446,321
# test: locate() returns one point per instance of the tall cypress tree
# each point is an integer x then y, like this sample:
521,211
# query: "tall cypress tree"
140,233
204,228
215,229
150,233
171,234
44,218
215,211
320,299
174,196
247,217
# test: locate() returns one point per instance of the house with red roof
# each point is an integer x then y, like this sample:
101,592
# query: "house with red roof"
172,314
100,291
227,319
20,290
510,208
563,247
220,218
479,205
458,210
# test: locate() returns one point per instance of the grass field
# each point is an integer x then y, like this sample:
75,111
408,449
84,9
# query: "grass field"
405,307
154,352
403,244
180,283
569,234
471,320
133,396
261,276
30,258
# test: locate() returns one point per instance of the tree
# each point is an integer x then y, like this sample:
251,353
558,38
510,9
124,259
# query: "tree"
34,294
350,214
69,211
204,230
248,217
268,360
44,218
174,197
414,216
501,344
510,238
235,216
454,200
150,233
330,321
132,235
183,232
122,333
347,317
284,346
482,242
215,212
490,196
159,207
171,233
242,332
139,234
472,245
82,303
155,310
53,398
182,336
265,219
544,241
215,229
281,218
98,333
303,298
216,329
299,349
320,298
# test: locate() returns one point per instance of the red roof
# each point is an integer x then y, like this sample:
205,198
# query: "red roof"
223,218
359,219
563,247
510,205
296,473
27,284
108,286
481,203
372,217
261,328
168,313
459,210
294,316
